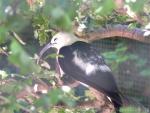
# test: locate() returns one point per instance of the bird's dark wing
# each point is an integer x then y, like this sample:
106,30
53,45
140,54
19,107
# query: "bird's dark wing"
84,64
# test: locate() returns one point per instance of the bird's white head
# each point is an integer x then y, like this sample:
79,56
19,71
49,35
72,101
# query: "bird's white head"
60,40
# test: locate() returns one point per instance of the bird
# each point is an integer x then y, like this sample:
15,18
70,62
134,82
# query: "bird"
82,62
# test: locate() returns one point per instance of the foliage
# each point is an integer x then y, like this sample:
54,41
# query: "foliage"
130,110
115,58
120,55
19,69
21,59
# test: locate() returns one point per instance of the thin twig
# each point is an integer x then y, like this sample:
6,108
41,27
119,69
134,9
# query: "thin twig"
3,52
16,36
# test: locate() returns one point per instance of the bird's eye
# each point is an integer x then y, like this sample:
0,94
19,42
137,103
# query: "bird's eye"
55,39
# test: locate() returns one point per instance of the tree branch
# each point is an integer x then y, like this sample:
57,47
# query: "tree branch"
119,31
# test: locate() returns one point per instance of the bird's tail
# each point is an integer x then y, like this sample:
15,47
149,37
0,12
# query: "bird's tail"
117,101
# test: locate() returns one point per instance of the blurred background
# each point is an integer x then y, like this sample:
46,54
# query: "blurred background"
27,25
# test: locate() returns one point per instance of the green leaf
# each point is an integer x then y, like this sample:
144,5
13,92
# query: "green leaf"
145,72
122,59
121,49
130,110
54,55
55,96
105,7
61,19
3,34
50,99
21,59
110,55
137,5
41,24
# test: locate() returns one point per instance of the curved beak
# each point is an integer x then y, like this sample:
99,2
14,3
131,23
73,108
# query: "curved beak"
46,47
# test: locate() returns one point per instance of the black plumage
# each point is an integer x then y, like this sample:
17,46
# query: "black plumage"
82,62
77,57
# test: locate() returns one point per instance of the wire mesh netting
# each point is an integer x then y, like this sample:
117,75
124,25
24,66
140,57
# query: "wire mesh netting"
130,63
